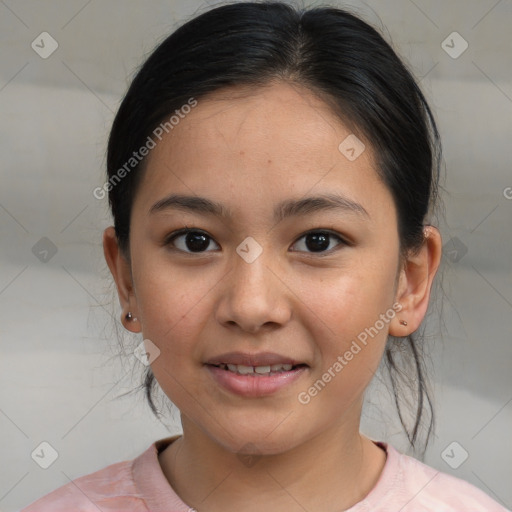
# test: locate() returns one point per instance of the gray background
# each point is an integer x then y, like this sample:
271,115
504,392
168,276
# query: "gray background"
59,372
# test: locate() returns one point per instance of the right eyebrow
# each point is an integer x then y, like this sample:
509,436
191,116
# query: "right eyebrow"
285,209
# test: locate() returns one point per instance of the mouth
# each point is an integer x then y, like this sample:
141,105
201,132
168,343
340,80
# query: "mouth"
255,375
259,371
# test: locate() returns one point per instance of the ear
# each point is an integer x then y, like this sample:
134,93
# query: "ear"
121,271
415,283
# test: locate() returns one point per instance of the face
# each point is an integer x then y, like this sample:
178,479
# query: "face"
304,284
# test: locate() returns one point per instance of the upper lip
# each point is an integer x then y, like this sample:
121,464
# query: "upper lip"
258,359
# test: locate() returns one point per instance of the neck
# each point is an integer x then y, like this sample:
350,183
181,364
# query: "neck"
329,472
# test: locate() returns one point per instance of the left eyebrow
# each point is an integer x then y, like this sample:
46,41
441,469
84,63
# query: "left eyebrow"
285,209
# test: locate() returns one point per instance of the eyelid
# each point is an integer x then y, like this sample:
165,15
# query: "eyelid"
183,231
343,242
329,231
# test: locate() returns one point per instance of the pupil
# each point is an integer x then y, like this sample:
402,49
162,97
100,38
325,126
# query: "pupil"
196,241
319,241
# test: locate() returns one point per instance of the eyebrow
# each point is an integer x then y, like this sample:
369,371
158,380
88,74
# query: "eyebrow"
287,208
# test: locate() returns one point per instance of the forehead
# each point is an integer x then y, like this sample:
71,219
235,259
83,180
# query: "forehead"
255,116
258,144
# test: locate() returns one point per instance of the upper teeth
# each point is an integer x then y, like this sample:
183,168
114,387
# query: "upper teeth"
244,370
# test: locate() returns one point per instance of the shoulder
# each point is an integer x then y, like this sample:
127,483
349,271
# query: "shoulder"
110,488
421,487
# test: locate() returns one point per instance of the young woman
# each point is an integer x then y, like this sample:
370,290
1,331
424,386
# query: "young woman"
271,174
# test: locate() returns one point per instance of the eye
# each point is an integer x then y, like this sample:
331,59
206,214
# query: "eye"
319,241
194,240
190,240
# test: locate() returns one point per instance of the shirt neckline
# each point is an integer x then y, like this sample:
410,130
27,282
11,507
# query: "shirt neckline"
158,494
150,480
390,475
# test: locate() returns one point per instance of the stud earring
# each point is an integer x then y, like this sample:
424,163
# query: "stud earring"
403,322
130,317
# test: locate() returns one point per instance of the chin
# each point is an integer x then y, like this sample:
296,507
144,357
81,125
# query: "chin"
258,440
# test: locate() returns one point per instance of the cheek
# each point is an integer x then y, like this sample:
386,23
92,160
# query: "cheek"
346,321
351,301
171,305
173,309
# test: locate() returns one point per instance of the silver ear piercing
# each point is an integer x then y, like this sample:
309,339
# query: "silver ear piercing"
130,317
403,322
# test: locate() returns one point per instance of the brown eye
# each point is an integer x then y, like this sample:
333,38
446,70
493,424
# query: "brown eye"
319,241
191,241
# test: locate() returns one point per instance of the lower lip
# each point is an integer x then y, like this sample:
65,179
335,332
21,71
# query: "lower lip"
254,385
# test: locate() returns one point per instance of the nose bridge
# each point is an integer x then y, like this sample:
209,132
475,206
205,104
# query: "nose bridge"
253,296
251,275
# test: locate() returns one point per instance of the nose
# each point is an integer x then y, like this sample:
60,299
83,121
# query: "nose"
254,296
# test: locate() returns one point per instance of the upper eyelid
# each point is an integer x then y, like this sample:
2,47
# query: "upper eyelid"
184,231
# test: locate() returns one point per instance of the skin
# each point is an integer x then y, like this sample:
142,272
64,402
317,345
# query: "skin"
251,149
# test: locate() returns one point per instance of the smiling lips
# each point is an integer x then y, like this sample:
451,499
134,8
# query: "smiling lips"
254,374
263,363
259,359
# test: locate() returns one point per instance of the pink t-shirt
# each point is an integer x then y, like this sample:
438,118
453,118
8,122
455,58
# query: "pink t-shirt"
139,485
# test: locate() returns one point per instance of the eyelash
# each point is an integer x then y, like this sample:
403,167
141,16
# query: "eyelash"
190,229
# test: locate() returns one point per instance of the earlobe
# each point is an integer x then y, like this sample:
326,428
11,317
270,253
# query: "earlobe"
121,272
415,283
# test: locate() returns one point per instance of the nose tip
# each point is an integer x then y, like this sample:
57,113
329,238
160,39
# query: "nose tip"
253,298
251,327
